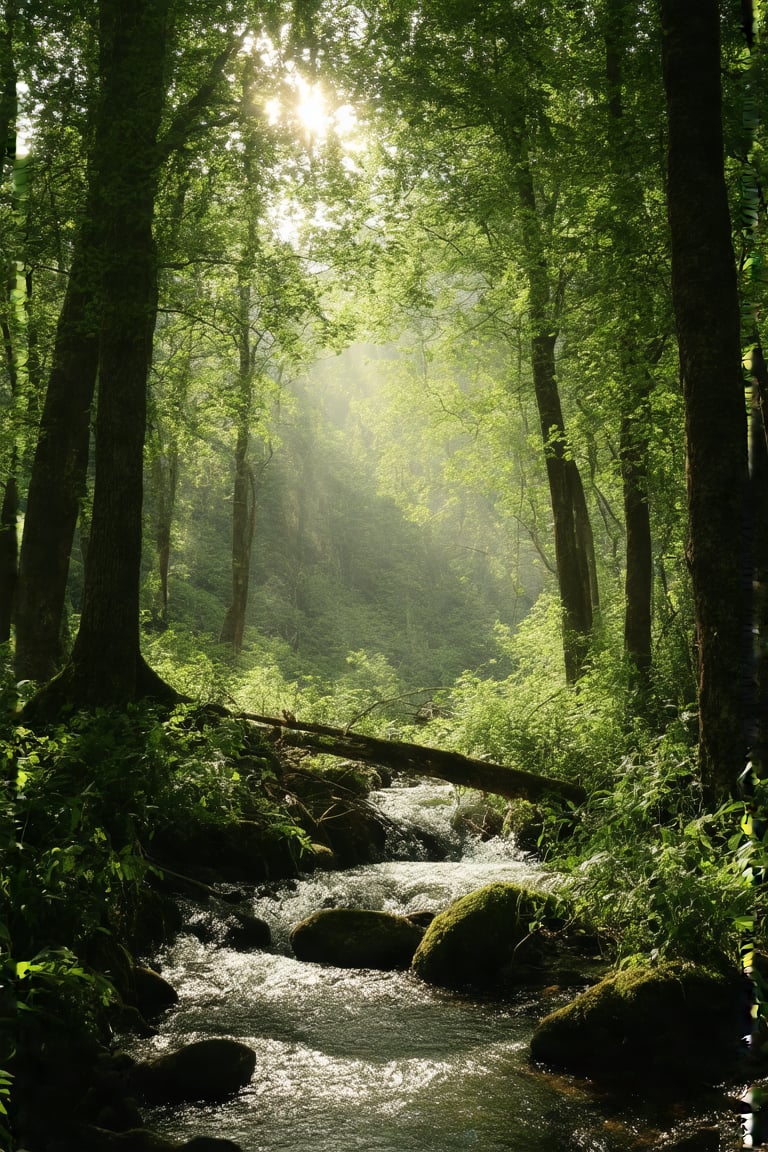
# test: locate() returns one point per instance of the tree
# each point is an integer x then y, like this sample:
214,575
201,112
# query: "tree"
476,75
707,317
118,295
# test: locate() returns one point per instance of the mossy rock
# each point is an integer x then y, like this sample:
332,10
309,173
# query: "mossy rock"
356,938
479,938
524,821
206,1070
354,778
663,1028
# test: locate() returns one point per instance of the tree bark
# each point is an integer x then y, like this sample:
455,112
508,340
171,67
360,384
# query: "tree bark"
243,527
244,496
106,666
420,760
638,577
8,556
58,478
707,316
574,548
636,382
165,477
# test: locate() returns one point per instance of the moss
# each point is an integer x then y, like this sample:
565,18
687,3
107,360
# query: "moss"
481,935
668,1027
356,938
525,822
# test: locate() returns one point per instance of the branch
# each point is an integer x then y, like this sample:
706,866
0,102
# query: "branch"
188,114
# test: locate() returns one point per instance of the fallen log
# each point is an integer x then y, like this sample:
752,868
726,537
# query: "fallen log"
419,760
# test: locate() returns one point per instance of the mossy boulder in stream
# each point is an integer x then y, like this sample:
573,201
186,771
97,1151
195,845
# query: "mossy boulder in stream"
664,1028
206,1070
478,939
356,938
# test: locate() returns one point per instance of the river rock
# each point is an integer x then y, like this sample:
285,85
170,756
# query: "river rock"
151,994
244,932
93,1139
331,814
478,938
206,1070
663,1029
356,938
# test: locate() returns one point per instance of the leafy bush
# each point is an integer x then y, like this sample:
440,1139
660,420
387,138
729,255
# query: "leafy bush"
533,720
660,877
79,808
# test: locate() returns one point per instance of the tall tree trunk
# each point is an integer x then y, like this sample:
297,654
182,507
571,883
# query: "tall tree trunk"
758,453
10,501
638,577
574,548
165,474
106,665
9,511
707,315
244,496
635,382
243,526
57,481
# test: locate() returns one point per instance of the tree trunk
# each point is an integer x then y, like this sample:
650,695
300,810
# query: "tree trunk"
707,315
419,760
244,496
165,477
243,526
635,383
106,666
8,556
57,481
574,548
638,578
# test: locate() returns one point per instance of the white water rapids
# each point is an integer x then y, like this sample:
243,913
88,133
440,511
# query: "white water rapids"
368,1061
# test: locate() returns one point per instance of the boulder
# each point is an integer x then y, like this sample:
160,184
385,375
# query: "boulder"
93,1139
245,931
206,1070
664,1029
479,938
150,993
524,821
355,938
331,814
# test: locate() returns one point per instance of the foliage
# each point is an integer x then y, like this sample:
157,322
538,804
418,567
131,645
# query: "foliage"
658,875
531,719
82,804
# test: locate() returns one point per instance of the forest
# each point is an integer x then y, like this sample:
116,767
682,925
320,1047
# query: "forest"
383,400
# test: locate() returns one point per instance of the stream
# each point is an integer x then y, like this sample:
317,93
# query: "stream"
351,1059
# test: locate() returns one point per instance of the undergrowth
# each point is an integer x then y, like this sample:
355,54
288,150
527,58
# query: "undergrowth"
80,806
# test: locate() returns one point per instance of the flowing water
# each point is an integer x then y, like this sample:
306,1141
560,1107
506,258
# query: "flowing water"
353,1060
